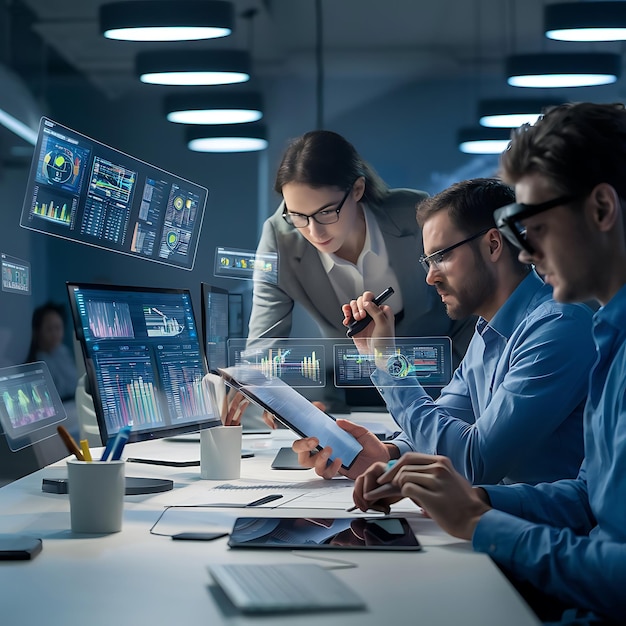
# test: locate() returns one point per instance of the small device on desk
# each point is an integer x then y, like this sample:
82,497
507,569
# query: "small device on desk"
343,533
19,547
287,459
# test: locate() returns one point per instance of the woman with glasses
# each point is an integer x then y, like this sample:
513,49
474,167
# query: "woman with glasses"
340,230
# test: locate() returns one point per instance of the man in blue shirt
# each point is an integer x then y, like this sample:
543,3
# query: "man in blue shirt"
513,410
566,539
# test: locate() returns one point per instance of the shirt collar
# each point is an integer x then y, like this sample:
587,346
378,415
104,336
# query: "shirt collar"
514,310
613,313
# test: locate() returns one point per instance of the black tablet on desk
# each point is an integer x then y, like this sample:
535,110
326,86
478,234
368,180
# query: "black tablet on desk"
360,533
293,410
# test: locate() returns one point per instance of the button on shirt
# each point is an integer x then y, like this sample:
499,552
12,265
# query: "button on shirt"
569,537
513,409
372,271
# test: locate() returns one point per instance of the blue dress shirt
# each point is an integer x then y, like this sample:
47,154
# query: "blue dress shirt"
569,537
513,409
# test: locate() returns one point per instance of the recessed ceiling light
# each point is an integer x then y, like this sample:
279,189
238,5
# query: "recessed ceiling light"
233,138
585,21
193,67
209,107
481,140
546,70
512,112
166,20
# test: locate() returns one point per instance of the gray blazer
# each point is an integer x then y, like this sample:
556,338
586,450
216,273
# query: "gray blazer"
302,279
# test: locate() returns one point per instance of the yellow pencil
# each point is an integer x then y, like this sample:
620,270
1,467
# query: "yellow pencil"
84,446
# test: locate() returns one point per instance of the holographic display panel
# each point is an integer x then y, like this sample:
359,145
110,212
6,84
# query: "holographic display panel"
85,191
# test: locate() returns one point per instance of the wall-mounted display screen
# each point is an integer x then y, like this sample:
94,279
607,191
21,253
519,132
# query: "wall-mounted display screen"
85,191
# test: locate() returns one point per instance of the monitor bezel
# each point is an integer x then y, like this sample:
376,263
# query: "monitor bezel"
135,436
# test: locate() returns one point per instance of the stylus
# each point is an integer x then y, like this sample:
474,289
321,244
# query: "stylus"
265,500
358,325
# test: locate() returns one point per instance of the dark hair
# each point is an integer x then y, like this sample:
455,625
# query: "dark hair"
322,158
470,203
576,146
39,315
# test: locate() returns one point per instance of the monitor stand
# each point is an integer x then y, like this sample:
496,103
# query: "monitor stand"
134,486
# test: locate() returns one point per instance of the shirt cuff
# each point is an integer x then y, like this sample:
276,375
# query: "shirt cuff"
496,534
504,498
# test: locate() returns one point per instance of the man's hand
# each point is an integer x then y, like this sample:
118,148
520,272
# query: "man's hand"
234,406
373,450
367,482
432,483
376,335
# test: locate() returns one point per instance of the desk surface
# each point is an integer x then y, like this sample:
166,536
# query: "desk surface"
134,577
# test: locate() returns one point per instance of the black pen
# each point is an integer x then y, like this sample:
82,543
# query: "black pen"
357,326
265,500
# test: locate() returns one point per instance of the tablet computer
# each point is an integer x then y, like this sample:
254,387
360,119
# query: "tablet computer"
293,410
360,533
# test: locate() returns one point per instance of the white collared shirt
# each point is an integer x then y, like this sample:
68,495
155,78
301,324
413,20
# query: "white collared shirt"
372,271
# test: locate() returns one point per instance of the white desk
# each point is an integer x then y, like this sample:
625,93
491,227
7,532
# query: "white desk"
133,577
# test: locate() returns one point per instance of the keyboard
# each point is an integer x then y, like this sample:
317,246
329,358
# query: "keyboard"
278,587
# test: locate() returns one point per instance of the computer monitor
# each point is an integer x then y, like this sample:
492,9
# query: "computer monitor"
82,190
144,360
215,325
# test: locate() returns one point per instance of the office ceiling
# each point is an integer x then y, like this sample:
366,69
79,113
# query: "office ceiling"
401,40
406,38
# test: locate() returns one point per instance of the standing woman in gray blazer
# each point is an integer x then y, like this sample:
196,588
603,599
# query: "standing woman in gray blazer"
339,231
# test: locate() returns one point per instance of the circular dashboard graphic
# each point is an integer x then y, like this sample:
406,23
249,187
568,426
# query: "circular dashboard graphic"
58,165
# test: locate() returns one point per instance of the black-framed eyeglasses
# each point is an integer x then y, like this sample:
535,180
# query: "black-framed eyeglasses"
509,219
323,216
437,258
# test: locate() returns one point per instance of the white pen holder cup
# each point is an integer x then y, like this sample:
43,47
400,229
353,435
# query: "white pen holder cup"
96,493
220,453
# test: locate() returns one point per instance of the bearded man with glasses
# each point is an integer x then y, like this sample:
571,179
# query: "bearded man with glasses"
513,409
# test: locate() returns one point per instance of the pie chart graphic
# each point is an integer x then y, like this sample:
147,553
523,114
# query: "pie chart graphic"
179,203
172,239
58,166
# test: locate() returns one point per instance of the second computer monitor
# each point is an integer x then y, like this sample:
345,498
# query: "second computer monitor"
215,325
